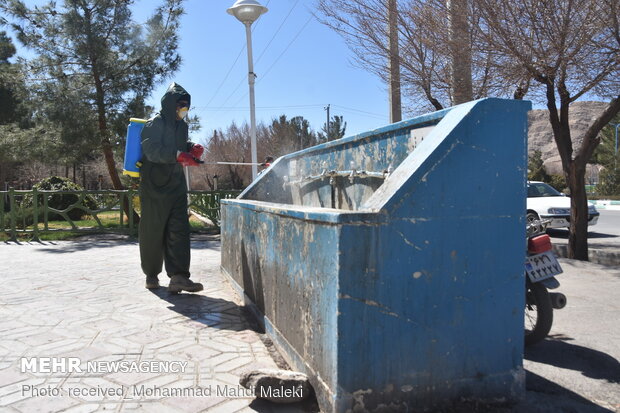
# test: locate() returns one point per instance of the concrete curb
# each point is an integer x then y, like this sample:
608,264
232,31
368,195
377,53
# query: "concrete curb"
607,205
603,256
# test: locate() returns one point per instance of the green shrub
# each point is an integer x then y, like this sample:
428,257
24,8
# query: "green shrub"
24,217
537,172
558,182
604,197
63,201
609,182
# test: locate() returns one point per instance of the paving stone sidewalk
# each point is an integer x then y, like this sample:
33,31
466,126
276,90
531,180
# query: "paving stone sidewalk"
86,299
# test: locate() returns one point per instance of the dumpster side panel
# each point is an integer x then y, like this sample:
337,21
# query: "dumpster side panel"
431,303
287,268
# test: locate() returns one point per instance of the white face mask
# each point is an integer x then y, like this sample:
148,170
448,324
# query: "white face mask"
182,113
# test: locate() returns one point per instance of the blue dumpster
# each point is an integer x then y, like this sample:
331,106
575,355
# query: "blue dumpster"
388,266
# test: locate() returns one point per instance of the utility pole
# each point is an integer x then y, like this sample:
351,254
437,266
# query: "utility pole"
394,62
460,51
327,128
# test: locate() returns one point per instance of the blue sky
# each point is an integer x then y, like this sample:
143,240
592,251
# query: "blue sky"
301,66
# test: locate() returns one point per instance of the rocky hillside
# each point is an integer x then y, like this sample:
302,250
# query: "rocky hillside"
540,135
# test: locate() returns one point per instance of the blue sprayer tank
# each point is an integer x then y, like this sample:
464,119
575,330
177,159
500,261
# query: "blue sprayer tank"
133,148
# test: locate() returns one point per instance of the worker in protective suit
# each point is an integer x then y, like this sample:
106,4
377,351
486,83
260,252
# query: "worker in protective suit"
164,223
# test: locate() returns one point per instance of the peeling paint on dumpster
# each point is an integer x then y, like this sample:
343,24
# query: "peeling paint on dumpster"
388,266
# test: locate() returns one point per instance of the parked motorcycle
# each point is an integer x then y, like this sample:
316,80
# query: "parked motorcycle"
541,269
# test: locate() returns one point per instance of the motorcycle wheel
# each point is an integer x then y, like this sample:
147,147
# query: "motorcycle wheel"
538,313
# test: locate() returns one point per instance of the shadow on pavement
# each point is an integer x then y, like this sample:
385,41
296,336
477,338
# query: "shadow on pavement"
595,235
212,312
262,406
107,241
80,245
591,363
563,400
563,234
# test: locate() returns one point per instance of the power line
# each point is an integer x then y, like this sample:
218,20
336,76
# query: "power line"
277,31
286,48
234,91
345,109
236,60
229,108
261,55
226,77
360,111
277,59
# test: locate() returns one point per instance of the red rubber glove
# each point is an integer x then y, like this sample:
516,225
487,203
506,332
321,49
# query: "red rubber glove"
186,159
197,150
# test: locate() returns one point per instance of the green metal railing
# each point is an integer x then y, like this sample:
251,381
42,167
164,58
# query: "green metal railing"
207,203
30,213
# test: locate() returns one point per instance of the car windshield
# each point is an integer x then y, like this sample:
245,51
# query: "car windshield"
535,190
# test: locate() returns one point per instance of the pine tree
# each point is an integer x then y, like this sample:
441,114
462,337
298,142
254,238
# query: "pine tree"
9,102
337,129
536,168
608,156
93,56
289,135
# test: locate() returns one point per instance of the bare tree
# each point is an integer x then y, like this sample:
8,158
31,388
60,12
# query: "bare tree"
364,25
230,146
425,47
283,136
570,50
233,145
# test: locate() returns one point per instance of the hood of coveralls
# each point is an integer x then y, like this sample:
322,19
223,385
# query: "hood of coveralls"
169,101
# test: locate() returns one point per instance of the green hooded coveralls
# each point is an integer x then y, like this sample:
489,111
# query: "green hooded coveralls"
164,224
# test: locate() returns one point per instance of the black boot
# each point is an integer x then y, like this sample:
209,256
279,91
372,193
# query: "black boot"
152,282
180,283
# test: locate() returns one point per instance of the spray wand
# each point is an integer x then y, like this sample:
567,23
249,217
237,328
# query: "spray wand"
267,163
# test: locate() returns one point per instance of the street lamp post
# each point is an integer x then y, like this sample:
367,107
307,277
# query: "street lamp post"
247,11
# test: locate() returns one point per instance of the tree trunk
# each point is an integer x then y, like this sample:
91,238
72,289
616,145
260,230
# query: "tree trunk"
107,149
105,140
575,169
102,120
429,95
578,235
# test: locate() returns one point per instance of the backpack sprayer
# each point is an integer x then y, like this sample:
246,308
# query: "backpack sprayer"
133,148
133,151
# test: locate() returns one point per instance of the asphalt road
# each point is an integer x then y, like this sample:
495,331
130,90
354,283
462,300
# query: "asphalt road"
608,223
576,369
608,226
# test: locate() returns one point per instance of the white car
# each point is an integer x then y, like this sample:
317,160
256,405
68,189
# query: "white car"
544,202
